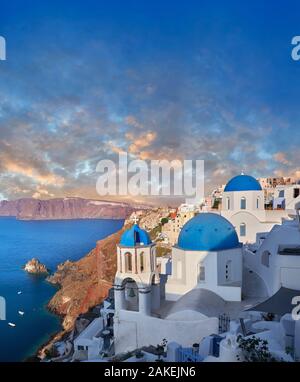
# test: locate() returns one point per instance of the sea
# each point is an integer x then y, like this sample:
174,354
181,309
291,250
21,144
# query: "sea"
52,242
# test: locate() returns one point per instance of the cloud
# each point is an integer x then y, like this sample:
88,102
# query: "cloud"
280,157
132,121
49,179
42,193
138,142
97,99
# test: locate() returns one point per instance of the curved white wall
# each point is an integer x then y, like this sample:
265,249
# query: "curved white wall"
186,333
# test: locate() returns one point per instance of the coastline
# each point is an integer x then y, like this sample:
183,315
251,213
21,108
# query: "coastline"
57,335
35,357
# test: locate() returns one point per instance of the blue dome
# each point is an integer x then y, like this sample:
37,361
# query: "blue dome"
135,236
243,183
208,232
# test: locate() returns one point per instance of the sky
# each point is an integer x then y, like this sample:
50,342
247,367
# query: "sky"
160,79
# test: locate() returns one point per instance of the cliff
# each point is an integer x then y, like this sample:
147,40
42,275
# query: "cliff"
85,283
65,208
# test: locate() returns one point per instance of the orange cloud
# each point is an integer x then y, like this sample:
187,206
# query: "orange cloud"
280,157
115,149
143,141
132,121
48,179
41,192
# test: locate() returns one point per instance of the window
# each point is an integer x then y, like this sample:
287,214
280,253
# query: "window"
296,192
265,258
257,203
228,203
243,229
79,347
142,261
201,276
281,194
128,262
243,203
228,270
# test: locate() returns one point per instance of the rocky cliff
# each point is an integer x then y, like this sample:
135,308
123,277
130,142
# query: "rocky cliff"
66,208
85,283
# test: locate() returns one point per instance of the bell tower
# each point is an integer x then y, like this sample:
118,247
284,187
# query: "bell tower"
137,282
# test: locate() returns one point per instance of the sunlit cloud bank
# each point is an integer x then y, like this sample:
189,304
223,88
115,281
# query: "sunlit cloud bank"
88,84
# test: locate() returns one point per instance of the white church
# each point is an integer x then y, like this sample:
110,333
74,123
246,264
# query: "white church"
243,204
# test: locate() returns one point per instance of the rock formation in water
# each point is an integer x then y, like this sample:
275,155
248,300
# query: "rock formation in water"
66,208
34,266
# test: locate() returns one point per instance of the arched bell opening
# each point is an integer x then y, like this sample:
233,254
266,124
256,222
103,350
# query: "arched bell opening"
131,295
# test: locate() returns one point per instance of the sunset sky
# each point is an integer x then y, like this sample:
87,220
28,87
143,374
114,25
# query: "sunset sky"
211,80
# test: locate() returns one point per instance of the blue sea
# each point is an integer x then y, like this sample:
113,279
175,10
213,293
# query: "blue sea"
52,242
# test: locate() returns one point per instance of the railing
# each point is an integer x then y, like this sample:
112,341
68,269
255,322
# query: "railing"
188,355
224,323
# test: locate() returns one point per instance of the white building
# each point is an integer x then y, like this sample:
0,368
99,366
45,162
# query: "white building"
275,257
286,197
89,343
243,204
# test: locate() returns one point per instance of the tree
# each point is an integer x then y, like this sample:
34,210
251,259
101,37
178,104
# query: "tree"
164,221
255,349
216,204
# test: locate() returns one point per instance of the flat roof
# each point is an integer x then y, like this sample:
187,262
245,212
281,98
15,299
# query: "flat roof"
92,330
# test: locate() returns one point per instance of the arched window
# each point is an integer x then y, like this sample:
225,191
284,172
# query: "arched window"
228,203
228,270
242,229
128,262
265,258
243,203
142,261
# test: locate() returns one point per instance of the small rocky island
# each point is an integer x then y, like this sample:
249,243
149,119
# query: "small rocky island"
35,267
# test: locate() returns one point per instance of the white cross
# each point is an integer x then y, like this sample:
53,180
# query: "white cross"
135,219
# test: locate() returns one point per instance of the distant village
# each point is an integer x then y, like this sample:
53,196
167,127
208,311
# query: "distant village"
202,283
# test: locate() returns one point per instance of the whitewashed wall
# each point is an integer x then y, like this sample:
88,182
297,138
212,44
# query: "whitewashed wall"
133,330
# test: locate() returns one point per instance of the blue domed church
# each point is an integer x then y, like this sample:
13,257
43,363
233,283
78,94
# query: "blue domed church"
243,204
204,272
208,255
